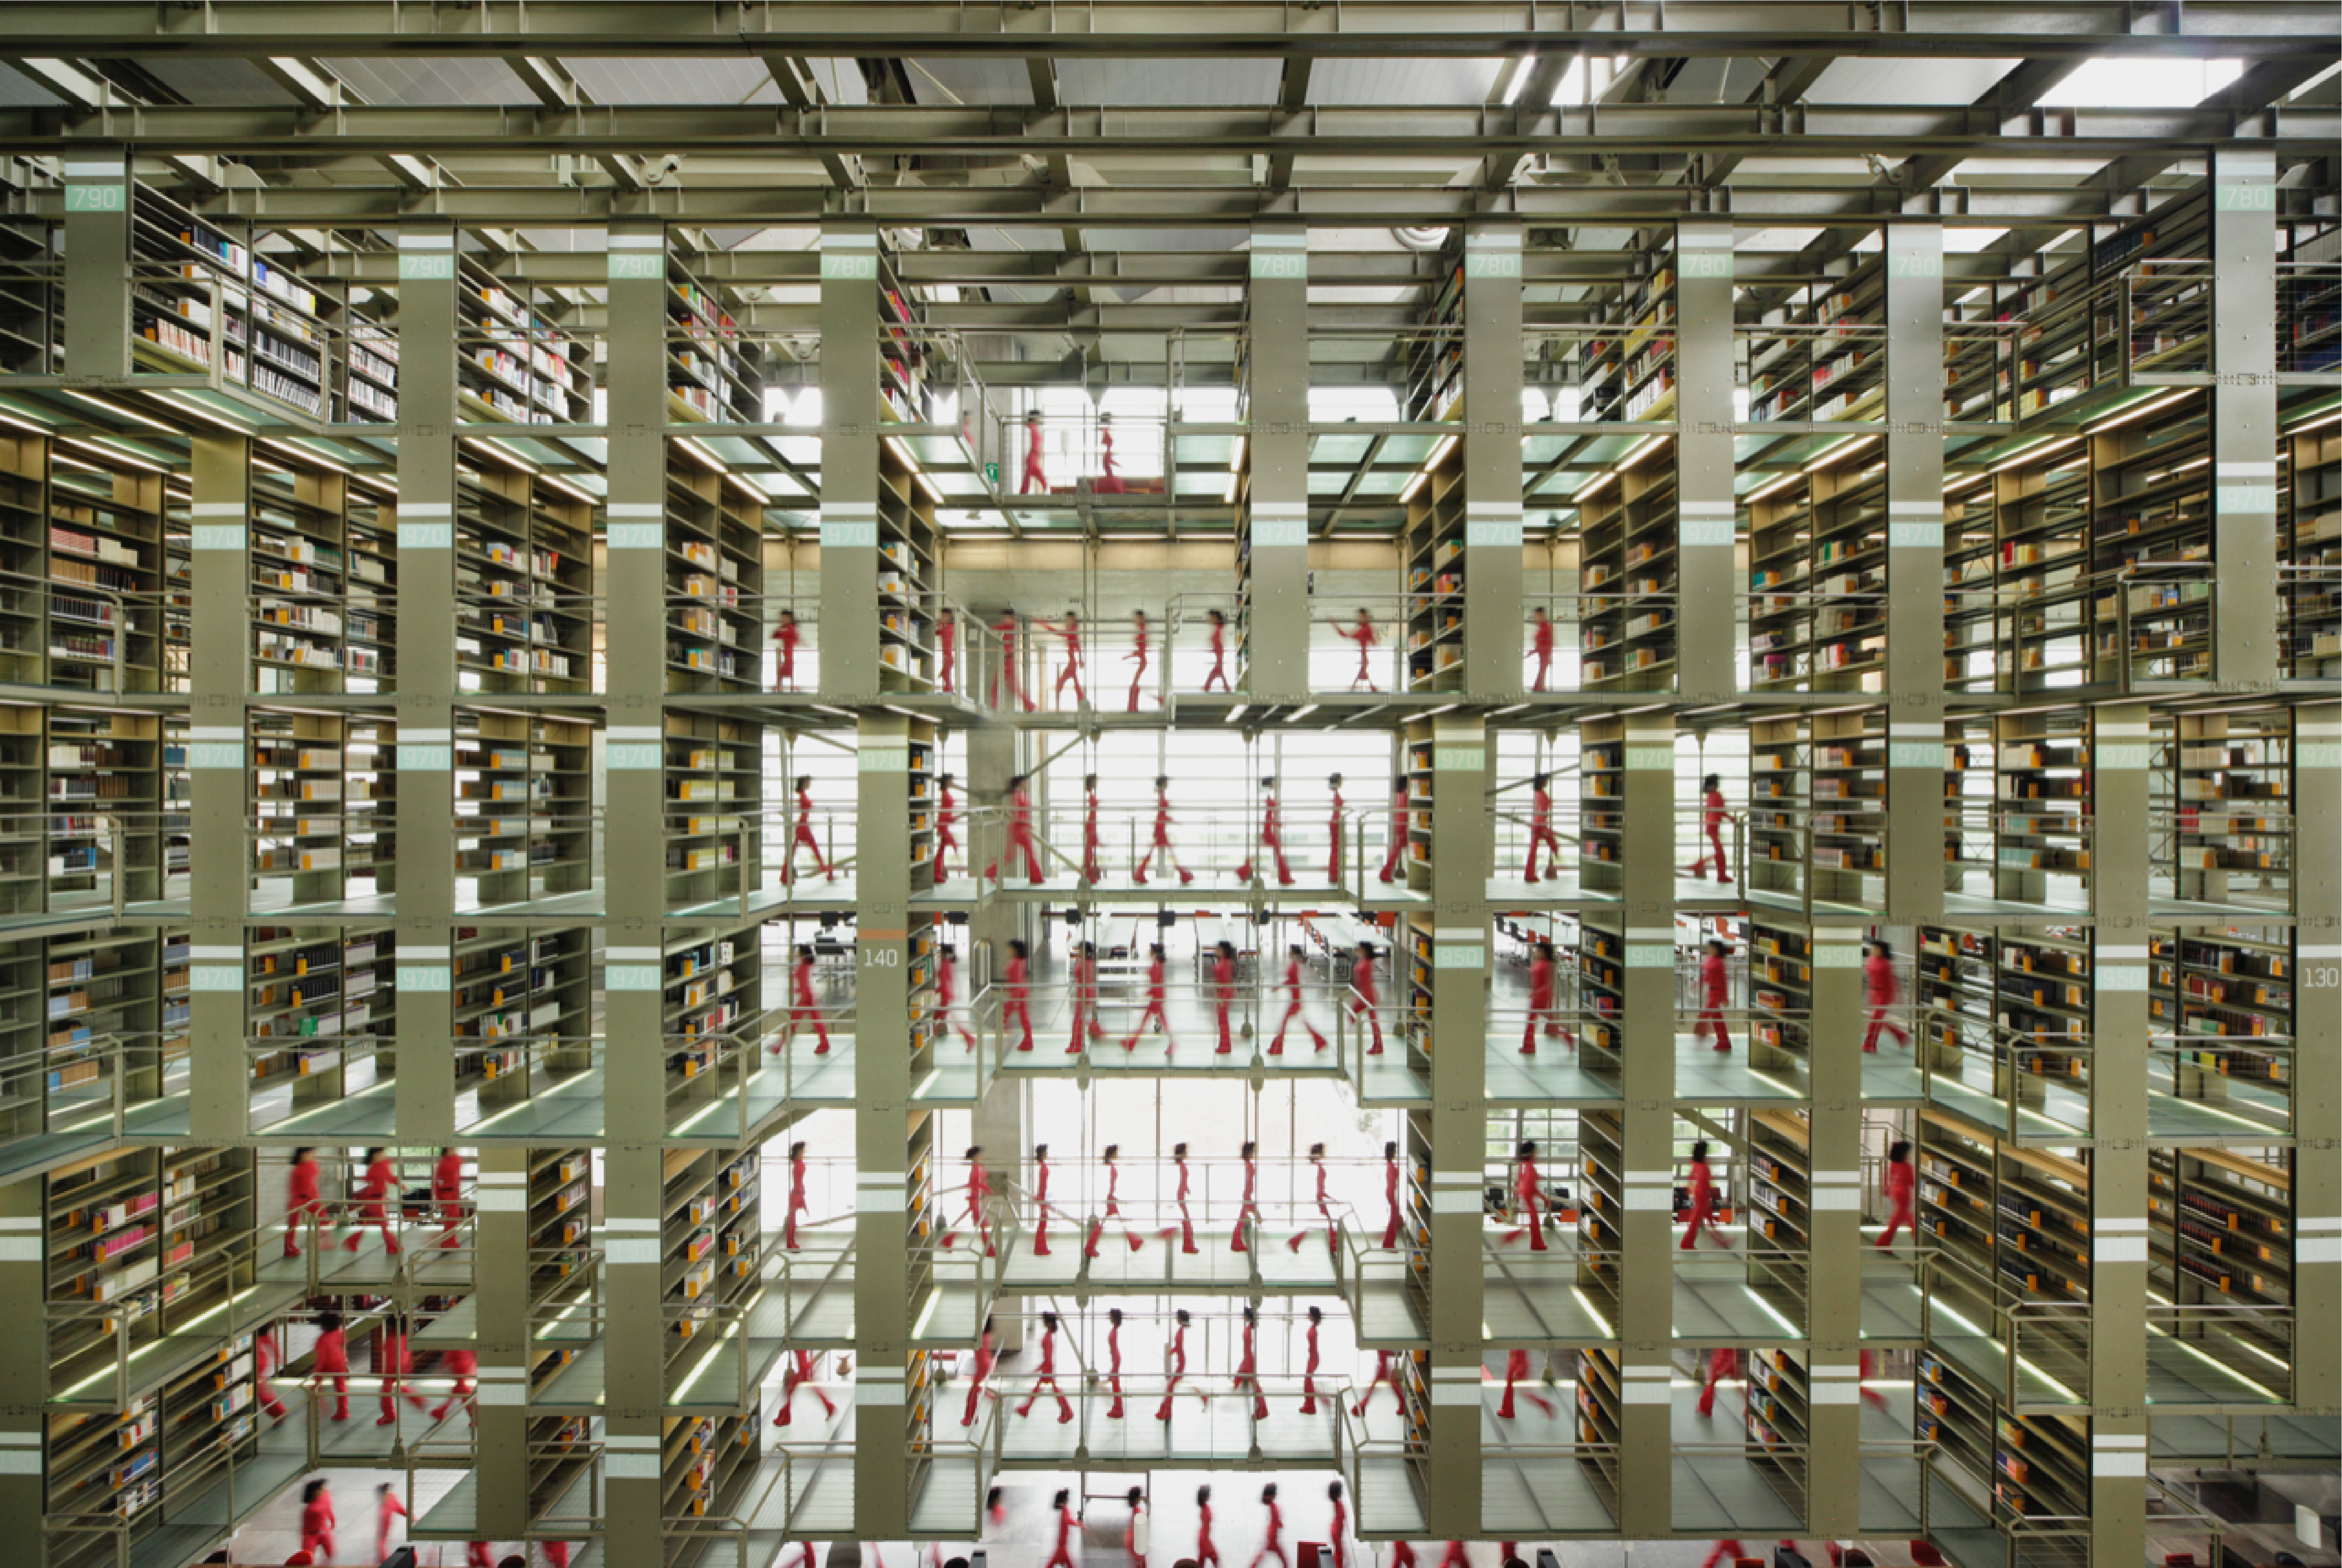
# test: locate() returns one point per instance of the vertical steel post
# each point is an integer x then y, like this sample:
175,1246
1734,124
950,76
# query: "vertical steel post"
1915,572
1494,632
98,195
1707,581
1276,511
1834,1216
219,847
2244,419
849,460
1647,1086
2317,1057
881,1111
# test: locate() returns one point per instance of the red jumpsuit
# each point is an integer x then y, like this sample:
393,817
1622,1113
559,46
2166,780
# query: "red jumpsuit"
1007,629
1722,1362
1880,989
1365,1000
1138,653
1334,838
1711,823
1086,1004
947,817
556,1554
1398,833
1361,631
333,1361
1324,1213
1529,1194
1517,1367
1162,843
1272,833
946,992
1703,1205
396,1361
797,1204
1091,872
1224,995
1293,1010
462,1365
264,1362
800,1376
1715,987
1390,1196
1072,633
984,1360
1247,1376
1016,1004
1899,1181
1204,1551
1382,1374
1175,1367
789,637
948,651
1041,1202
1340,1530
1153,1014
1540,1003
302,1204
1133,1537
1219,659
1273,1546
1541,833
1034,478
1108,483
1246,1207
374,1209
1542,645
392,1508
1114,1373
1020,833
447,1192
803,1008
317,1523
979,1190
1186,1225
1309,1380
804,839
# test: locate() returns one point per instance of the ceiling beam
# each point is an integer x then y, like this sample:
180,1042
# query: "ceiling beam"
1790,79
557,86
1292,98
801,89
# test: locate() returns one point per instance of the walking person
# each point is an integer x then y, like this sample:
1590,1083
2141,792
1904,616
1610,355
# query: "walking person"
1881,989
1224,993
797,1202
1020,833
947,818
1134,1533
376,1194
1154,1013
1206,1552
1246,1207
1017,994
1517,1367
1272,834
1086,999
788,638
800,1374
1715,987
1072,633
1161,841
1247,1374
1397,845
1528,1195
1114,1360
1898,1183
1293,956
803,838
447,1192
947,1015
1219,636
1541,828
303,1205
1137,654
1712,816
1390,1193
985,1359
1541,983
1274,1545
1309,1367
1364,998
1175,1367
979,1199
1091,874
804,1007
331,1359
1046,1374
318,1520
1063,1555
1004,629
1703,1201
1036,477
1334,830
1541,645
1361,631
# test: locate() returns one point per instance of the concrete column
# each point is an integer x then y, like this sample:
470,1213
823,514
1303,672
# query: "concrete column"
500,1289
882,1309
98,265
1707,580
1459,960
1494,632
1276,614
24,1367
425,684
219,852
2317,1058
2244,419
849,460
1648,1084
2120,1070
1915,572
634,1169
1834,1216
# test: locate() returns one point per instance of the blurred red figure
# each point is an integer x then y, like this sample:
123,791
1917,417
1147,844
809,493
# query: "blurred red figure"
302,1204
794,1377
1390,1193
1187,1226
264,1359
1091,873
1363,996
1722,1362
396,1361
1339,1531
948,651
374,1195
1020,830
318,1520
1162,836
1204,1551
1528,1193
1517,1367
1897,1183
1361,631
1246,1208
1403,1555
1274,1545
1725,1551
1456,1556
1541,971
1017,994
1712,813
1867,1369
1175,1367
1247,1374
1137,653
1041,1200
1382,1374
947,994
1272,833
787,635
1086,999
1036,477
1072,633
1715,987
1154,1013
463,1365
1397,829
1541,828
1703,1200
1880,989
1219,634
804,839
1224,993
1309,1369
1334,830
947,818
447,1192
1046,1372
797,1204
1108,483
1004,629
803,1008
332,1353
1317,1159
1114,1355
984,1358
387,1507
1134,1533
1293,1004
1541,645
979,1194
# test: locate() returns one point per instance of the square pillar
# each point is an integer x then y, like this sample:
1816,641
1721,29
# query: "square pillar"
219,674
1833,1230
2317,1057
881,1107
1915,572
1707,577
98,265
501,1290
849,461
2244,419
1274,522
1493,633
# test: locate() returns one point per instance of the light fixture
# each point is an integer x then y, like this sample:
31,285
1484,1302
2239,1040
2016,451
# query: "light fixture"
498,452
1414,484
115,408
2037,450
1301,712
2139,410
1785,479
692,446
1842,449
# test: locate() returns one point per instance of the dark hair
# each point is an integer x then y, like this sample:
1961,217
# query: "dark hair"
328,1321
1898,1151
805,781
1089,781
1712,781
1113,1315
1268,1493
1227,947
1243,1151
310,1488
805,950
1539,780
301,1154
1089,950
1178,1151
1317,1314
1203,1494
1016,946
1716,945
1699,1149
1528,1150
1016,780
1251,1315
372,1151
1269,782
383,1491
1883,950
1181,1314
1545,947
1059,1500
1218,619
974,1150
1333,779
1156,948
1390,1148
1294,948
1316,1151
1113,1151
1049,1321
1040,1151
1333,1490
796,1148
1368,948
1162,780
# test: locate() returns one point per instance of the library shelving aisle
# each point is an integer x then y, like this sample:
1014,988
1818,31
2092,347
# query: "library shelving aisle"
1629,522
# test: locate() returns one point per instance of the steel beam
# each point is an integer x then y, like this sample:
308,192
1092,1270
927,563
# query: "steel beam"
219,747
1275,504
2244,631
1915,572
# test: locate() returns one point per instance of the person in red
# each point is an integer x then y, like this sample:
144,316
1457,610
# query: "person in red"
1361,631
1309,1367
447,1192
478,1554
463,1365
1272,833
1004,629
1186,1225
1046,1372
1137,653
1086,999
1724,1552
556,1554
1898,1184
1219,634
1703,1201
1403,1555
1154,1013
1041,1195
1339,1531
1036,477
1293,1004
947,994
1247,1374
1456,1556
1016,992
1723,1361
1175,1367
1072,633
947,818
801,1376
1397,845
318,1520
1204,1551
1134,1533
1020,832
1712,816
1715,988
332,1360
980,1195
1541,828
1108,482
1334,831
787,635
264,1359
1113,1208
948,651
1224,993
1528,1195
1092,873
804,1007
1113,1358
1541,974
1317,1159
985,1361
1274,1545
1246,1207
1390,1193
1517,1367
797,1204
1162,836
804,839
1541,645
1363,996
303,1206
1881,989
1866,1368
396,1360
387,1507
1384,1373
375,1194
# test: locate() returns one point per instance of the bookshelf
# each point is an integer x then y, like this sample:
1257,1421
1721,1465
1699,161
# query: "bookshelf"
103,838
524,806
317,1000
1601,1407
711,375
714,577
2220,1221
710,985
522,1000
1601,1218
1434,564
1819,357
1418,751
2231,839
1781,617
514,363
1846,783
1781,995
523,584
1781,796
2309,535
1627,373
910,570
104,576
560,1228
2151,517
304,613
24,554
206,296
1780,1200
715,776
2042,808
710,1240
1629,525
2042,515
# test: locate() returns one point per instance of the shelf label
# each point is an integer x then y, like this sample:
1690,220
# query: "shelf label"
216,536
213,977
1491,263
850,267
427,267
2230,500
220,754
1655,759
1459,955
1473,758
1492,523
631,755
1915,755
1696,264
1290,264
878,757
630,977
1928,264
426,535
848,536
635,267
427,759
419,978
86,198
1650,955
2247,195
